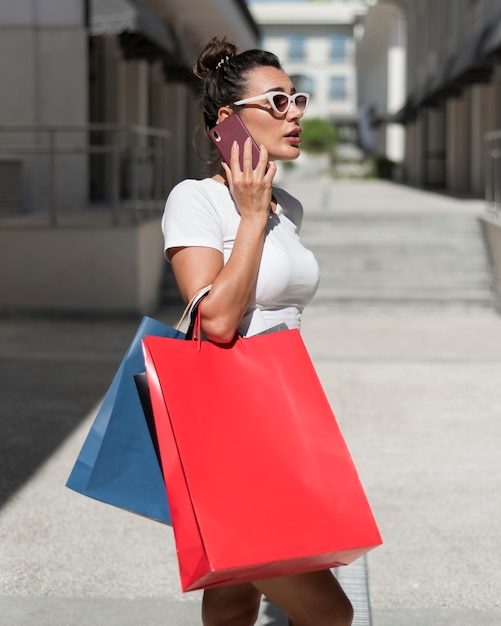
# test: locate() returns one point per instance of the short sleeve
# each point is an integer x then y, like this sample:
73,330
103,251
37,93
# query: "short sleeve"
191,218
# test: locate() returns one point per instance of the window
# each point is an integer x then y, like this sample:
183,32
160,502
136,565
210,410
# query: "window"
296,47
338,47
303,83
338,88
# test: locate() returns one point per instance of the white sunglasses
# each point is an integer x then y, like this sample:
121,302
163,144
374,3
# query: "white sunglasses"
280,101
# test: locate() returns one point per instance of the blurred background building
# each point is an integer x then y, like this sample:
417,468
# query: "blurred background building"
434,68
316,46
98,113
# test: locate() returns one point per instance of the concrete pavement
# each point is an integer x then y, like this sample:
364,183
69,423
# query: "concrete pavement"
419,402
416,393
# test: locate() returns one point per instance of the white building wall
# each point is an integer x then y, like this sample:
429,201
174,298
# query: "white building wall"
395,135
43,71
381,60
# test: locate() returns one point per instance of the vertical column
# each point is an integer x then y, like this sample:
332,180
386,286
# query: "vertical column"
411,153
43,67
435,147
136,92
395,137
483,119
172,114
136,167
110,74
458,144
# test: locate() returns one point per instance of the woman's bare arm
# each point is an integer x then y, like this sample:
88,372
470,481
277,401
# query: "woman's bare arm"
233,283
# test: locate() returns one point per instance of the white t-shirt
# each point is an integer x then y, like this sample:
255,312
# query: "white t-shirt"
202,213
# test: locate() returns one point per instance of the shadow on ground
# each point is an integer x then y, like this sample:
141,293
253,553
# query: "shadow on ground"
52,373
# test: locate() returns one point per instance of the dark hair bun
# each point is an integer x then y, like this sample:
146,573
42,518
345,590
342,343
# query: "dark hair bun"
213,55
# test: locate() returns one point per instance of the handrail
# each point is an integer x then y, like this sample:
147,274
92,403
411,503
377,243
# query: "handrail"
137,158
492,141
135,128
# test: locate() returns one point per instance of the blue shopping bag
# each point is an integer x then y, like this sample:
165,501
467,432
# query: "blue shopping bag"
118,463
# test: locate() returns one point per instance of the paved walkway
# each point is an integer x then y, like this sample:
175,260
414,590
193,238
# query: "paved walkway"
416,393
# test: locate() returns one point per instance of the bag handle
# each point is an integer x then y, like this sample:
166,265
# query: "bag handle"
197,327
196,334
191,310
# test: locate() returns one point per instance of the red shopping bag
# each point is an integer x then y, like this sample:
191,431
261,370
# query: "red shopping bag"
259,478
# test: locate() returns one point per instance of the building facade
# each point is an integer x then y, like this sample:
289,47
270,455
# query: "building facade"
97,118
315,44
451,103
116,62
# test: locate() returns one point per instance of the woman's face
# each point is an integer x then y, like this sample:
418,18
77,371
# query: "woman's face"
278,132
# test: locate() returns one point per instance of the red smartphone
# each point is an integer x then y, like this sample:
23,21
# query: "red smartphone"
224,134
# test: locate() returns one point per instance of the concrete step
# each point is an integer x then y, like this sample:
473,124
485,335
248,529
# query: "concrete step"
377,258
395,301
405,294
413,259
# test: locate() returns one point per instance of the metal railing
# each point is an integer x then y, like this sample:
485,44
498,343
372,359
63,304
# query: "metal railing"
125,169
493,173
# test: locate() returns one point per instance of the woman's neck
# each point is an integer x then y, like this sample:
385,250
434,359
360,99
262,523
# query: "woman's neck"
220,177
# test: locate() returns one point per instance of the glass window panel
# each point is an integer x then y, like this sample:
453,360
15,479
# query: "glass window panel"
338,88
296,47
338,47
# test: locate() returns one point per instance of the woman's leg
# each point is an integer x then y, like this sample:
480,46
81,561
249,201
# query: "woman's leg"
237,605
313,599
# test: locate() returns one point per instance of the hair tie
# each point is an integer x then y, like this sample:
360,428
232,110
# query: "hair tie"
222,61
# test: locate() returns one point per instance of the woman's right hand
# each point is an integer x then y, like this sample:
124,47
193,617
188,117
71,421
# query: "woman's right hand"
250,188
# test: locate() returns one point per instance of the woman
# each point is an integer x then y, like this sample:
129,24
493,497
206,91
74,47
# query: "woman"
237,232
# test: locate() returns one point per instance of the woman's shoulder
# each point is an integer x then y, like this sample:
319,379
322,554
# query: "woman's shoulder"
197,192
198,200
192,214
192,186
